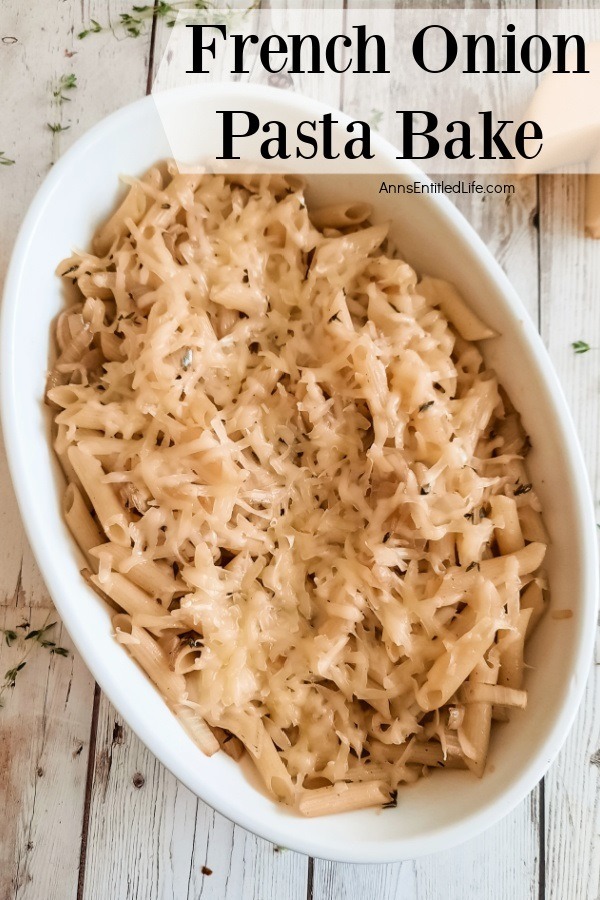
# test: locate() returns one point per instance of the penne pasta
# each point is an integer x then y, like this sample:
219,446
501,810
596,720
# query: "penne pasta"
156,579
479,692
102,496
532,525
511,647
81,524
129,596
341,215
148,654
251,732
532,599
474,732
507,530
445,295
455,665
528,560
342,798
197,729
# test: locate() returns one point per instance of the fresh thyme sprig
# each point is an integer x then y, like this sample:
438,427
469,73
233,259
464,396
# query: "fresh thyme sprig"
4,160
59,98
135,23
27,640
93,28
66,83
11,676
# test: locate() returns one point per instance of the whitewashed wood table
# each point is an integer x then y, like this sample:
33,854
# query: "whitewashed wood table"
85,810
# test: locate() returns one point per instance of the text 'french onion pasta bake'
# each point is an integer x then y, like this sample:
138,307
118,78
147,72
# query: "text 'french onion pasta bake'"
297,484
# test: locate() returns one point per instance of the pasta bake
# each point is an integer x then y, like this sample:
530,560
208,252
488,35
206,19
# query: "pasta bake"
298,485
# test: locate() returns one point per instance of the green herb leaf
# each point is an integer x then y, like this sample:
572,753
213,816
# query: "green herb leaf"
94,28
580,347
38,635
56,128
66,83
162,9
10,636
10,677
4,160
133,23
60,651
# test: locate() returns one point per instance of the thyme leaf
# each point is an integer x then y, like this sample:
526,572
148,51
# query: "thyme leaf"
4,160
10,677
66,83
94,28
27,641
38,635
580,346
134,23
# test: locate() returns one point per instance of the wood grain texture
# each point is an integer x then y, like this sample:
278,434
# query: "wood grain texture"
44,734
570,283
149,837
500,864
570,288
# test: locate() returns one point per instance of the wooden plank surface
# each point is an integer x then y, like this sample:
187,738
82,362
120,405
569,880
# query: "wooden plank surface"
570,291
44,739
145,835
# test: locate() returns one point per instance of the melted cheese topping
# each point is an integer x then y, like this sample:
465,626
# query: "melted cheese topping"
296,430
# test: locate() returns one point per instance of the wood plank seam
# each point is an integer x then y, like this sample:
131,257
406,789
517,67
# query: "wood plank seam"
88,793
